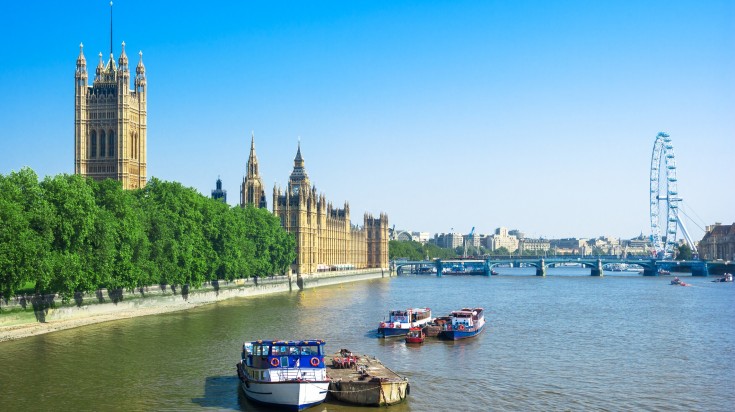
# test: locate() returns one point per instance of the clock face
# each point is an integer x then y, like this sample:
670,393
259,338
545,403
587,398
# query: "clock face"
295,190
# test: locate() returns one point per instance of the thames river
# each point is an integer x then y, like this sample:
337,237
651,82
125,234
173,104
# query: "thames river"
568,341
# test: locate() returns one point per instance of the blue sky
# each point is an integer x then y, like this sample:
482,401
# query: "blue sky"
535,115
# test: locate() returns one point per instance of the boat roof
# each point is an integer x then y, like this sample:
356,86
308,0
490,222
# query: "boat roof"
288,342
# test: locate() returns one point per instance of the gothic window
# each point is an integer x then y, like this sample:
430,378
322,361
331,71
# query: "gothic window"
102,144
111,145
130,145
93,144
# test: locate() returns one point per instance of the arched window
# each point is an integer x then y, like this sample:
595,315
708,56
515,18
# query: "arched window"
103,152
130,145
93,144
111,146
137,146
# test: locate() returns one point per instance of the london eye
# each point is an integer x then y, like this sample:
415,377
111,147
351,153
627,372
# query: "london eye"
664,199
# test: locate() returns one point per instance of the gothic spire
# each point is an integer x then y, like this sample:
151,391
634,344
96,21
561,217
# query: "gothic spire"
252,159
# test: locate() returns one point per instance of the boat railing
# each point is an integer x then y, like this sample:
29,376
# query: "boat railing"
290,374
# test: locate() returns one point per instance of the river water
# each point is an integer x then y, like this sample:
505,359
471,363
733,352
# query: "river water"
565,342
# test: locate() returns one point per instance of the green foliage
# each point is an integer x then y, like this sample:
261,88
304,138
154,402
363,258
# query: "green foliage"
69,234
684,252
412,250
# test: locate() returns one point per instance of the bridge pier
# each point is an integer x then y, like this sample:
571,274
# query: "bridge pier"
700,270
438,267
650,272
541,268
597,271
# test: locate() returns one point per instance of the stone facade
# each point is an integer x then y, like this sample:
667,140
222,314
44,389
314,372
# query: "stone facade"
110,121
718,243
502,238
252,191
325,237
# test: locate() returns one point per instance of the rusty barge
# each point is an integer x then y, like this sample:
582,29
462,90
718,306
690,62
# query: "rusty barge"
364,380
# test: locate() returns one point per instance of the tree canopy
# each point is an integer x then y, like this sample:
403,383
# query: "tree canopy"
69,234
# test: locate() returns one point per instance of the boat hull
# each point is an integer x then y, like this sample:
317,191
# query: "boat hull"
295,396
391,332
368,393
460,334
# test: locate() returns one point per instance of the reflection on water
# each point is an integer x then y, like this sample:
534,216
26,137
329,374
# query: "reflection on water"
567,341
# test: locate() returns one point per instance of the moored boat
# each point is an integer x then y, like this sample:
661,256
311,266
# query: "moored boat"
400,321
727,277
415,335
287,374
465,323
368,383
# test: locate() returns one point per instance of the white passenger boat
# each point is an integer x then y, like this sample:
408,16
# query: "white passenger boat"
287,374
401,321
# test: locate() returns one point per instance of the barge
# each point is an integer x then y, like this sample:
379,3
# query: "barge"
364,380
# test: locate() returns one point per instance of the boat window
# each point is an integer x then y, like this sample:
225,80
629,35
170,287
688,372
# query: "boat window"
261,350
280,350
293,350
310,350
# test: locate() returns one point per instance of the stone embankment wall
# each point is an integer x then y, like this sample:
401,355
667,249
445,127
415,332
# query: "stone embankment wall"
24,310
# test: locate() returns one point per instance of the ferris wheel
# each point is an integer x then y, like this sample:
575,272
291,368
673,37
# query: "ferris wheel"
664,197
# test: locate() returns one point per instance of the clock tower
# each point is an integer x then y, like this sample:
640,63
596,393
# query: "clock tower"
299,180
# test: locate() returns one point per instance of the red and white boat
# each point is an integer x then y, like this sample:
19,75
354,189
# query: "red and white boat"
415,335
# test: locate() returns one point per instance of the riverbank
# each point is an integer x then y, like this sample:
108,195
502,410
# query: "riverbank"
26,316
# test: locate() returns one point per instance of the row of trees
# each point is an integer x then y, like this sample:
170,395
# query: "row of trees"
413,250
70,234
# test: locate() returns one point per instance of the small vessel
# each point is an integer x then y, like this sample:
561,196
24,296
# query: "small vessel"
664,272
465,323
368,383
415,335
287,374
400,321
727,277
679,282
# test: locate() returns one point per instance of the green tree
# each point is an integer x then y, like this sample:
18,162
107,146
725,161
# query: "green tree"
25,232
684,252
73,222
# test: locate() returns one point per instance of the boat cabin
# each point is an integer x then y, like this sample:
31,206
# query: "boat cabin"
266,354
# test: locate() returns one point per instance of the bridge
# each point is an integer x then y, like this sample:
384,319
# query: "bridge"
484,266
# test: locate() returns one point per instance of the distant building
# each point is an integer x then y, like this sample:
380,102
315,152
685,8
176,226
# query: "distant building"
718,242
533,245
640,246
502,238
218,193
568,246
448,240
421,237
403,236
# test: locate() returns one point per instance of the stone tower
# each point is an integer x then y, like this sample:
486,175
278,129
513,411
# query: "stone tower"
110,121
252,191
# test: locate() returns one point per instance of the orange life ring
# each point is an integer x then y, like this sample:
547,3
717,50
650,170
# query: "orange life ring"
461,327
275,362
314,361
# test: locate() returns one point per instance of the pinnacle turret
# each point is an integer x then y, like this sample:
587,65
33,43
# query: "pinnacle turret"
123,60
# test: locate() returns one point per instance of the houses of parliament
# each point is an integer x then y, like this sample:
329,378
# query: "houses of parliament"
325,237
110,141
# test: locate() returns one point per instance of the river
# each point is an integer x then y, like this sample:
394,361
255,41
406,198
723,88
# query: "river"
564,342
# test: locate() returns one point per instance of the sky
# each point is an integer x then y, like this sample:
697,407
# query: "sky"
446,115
